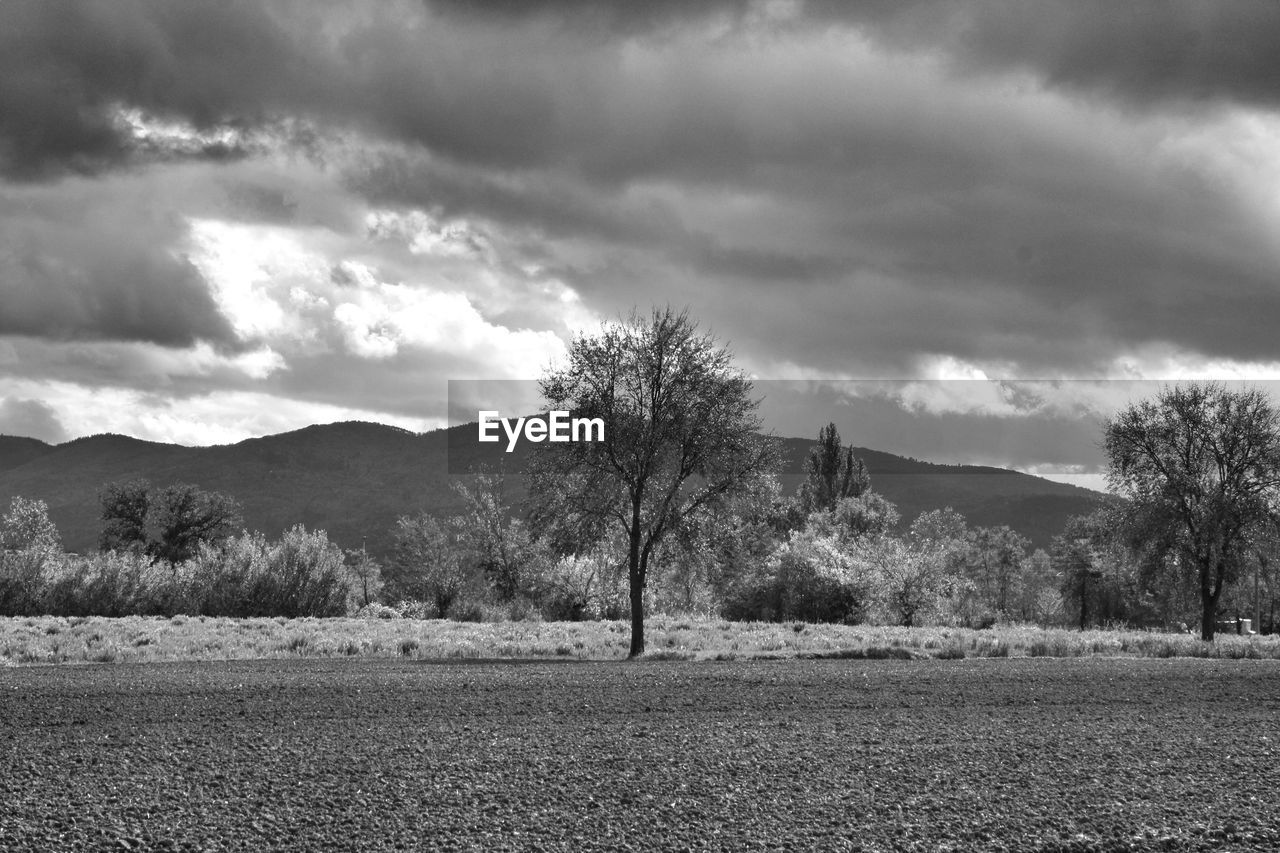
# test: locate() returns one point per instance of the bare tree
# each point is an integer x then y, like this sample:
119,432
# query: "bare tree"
681,433
366,576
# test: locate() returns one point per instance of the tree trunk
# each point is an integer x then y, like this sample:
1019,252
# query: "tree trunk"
1208,605
1208,618
637,617
1210,592
636,577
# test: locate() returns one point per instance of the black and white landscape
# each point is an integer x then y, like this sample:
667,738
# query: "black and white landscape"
970,308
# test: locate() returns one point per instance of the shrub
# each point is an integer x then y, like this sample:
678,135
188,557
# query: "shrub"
524,610
432,561
303,574
115,583
377,610
219,580
22,581
411,608
577,587
810,578
309,573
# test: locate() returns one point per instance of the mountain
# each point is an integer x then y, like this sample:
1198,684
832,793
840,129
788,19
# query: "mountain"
16,450
354,479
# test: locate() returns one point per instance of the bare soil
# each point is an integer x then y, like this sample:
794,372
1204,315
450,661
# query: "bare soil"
994,754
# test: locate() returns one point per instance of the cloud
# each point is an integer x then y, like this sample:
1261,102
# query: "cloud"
875,205
31,418
338,205
1145,53
219,417
950,421
608,89
605,17
97,261
303,294
68,68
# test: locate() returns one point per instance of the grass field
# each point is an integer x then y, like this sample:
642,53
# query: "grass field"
54,640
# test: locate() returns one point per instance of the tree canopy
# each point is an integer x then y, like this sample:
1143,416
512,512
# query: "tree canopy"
1200,465
27,525
834,473
169,524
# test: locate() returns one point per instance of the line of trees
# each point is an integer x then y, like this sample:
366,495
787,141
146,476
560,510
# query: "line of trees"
757,556
174,550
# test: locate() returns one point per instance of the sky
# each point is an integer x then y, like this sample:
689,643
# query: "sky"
225,220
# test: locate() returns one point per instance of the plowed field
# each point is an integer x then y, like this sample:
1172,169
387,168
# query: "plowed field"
1079,755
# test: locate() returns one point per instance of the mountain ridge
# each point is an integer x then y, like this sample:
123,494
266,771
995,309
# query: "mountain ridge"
354,478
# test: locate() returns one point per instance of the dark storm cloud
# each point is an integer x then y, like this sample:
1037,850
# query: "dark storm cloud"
1145,51
613,17
543,96
555,204
1126,263
66,68
526,84
118,295
31,418
841,188
137,365
85,268
989,233
1185,50
548,204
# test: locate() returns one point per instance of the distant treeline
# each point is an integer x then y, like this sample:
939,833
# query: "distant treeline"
830,553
